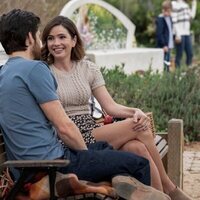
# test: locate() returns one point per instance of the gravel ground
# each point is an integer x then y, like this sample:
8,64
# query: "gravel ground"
191,165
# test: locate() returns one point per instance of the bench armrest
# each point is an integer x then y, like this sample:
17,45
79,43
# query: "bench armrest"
36,163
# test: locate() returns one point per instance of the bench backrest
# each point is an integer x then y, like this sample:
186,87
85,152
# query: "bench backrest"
2,151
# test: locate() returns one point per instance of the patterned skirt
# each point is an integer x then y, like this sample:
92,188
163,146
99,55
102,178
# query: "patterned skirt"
86,124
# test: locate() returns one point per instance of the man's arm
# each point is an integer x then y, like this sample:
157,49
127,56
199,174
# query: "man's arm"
193,9
117,110
67,130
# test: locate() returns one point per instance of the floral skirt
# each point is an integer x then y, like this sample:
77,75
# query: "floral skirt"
86,124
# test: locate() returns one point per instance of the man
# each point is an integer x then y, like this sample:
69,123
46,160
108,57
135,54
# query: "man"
30,110
182,15
164,33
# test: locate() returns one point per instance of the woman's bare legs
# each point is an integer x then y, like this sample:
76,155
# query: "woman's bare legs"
147,139
119,133
139,148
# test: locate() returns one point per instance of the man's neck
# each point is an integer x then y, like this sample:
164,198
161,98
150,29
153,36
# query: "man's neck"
23,54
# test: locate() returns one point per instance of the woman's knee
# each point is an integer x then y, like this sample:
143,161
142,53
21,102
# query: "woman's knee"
146,136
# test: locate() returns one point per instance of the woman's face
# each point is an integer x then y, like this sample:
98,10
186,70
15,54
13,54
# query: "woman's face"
60,42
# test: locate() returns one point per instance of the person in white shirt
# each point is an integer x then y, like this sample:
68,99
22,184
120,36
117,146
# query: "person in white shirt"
182,14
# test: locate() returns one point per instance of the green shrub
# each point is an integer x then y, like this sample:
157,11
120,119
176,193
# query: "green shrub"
167,95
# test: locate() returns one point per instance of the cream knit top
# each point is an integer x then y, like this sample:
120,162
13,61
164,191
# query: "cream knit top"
75,87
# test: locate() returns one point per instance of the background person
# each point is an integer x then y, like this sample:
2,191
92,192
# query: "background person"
164,32
83,25
182,15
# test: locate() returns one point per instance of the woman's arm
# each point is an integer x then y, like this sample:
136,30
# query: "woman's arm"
117,110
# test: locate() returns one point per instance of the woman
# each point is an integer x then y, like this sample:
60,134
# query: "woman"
78,79
83,25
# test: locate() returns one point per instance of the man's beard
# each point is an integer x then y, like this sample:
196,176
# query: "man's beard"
36,52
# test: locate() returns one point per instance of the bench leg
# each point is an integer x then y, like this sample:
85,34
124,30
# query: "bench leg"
52,178
24,174
175,152
18,185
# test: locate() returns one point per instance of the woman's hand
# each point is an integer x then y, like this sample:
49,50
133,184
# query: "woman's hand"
141,120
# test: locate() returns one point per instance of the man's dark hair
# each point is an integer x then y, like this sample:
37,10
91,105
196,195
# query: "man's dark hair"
14,28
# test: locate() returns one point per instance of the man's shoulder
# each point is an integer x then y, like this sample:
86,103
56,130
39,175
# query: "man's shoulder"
38,63
26,68
31,65
25,63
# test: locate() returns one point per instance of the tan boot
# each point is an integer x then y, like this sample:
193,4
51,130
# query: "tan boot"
178,194
69,185
130,188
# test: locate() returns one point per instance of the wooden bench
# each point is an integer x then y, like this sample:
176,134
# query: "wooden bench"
174,157
169,144
26,166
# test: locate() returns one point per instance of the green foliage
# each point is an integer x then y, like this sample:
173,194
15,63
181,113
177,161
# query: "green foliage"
108,31
195,24
168,95
143,14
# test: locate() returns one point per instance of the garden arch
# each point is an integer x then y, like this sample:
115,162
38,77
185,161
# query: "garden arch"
72,5
133,59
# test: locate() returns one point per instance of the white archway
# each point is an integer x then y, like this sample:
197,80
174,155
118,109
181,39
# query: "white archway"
72,5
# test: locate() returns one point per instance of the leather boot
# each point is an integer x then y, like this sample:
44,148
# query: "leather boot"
130,188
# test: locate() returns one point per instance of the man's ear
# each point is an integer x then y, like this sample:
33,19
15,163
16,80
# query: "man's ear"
29,39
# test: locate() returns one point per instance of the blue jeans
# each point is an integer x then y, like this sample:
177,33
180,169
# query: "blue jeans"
185,45
167,58
101,165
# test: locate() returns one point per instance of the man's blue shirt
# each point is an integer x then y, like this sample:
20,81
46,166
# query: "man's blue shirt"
28,134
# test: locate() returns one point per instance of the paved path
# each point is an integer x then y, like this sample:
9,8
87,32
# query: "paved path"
191,178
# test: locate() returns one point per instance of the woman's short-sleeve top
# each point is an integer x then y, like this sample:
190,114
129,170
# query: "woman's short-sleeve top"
75,86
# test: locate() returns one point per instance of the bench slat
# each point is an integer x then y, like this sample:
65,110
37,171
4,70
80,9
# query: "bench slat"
164,151
36,163
161,145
